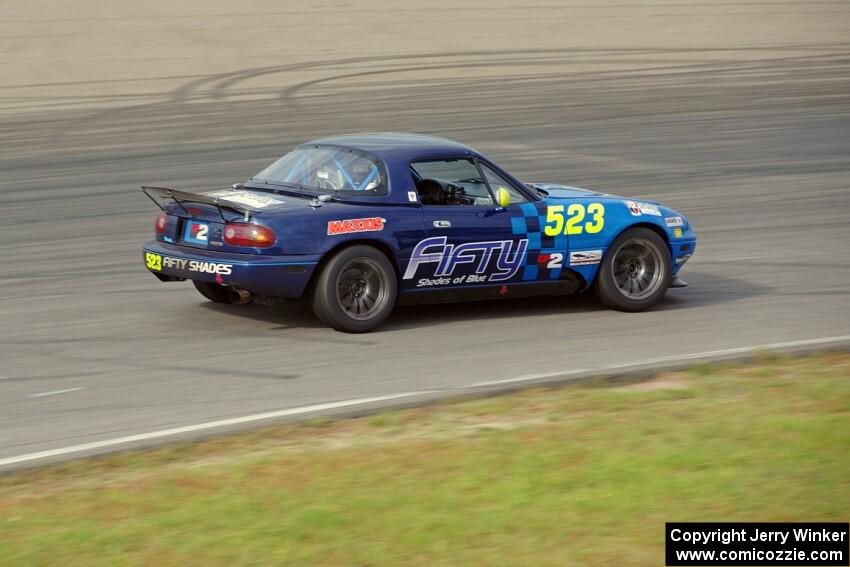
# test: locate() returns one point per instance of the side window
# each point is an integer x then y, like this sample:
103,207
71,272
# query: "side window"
496,181
450,182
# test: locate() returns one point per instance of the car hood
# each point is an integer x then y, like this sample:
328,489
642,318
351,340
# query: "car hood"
556,191
566,191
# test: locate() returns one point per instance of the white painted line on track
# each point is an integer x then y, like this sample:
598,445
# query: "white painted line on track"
117,441
671,358
528,377
55,392
202,426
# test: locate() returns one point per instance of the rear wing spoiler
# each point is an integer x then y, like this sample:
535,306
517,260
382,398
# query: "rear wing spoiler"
160,195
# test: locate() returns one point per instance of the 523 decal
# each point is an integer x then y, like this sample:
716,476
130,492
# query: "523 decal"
578,219
153,261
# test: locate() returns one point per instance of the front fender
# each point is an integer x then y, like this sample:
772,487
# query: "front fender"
620,215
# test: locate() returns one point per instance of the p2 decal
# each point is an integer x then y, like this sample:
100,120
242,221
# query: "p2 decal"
551,261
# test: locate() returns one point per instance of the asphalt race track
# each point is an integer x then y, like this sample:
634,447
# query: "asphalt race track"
737,114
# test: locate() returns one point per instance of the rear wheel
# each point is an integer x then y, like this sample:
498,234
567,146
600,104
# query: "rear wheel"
214,292
636,271
356,290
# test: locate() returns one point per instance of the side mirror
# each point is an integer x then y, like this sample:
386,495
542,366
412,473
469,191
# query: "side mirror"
503,196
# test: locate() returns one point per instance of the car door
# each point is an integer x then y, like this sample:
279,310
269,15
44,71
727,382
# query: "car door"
470,240
546,251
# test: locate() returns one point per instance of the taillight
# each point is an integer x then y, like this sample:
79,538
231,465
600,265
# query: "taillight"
161,223
252,235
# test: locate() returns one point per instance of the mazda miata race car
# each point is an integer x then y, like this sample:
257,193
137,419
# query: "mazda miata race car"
356,224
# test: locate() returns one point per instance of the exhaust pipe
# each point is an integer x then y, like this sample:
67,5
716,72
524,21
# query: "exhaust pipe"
239,296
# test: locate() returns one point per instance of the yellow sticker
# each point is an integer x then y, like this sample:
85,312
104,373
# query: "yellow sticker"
574,221
677,232
153,261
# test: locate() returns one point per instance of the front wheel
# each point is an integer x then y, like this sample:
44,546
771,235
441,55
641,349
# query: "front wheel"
356,290
635,272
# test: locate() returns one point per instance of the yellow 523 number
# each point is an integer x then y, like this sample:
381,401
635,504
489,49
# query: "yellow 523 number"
153,261
577,220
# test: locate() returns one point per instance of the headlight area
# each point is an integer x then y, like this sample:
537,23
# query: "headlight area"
682,252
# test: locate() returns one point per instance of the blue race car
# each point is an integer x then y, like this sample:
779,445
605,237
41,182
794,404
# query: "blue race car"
356,224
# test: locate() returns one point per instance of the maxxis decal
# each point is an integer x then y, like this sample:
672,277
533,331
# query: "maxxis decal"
348,226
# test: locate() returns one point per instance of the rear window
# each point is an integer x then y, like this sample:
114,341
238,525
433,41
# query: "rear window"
327,169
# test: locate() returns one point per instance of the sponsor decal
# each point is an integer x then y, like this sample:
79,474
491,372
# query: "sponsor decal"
502,258
197,266
648,209
585,257
470,279
638,208
677,232
674,221
157,263
372,224
411,196
247,198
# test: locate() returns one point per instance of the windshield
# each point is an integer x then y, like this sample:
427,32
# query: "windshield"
326,169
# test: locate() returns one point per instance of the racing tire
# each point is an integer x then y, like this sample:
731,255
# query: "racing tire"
356,290
214,292
635,272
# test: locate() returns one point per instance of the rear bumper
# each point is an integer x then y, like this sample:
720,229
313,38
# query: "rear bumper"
268,276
